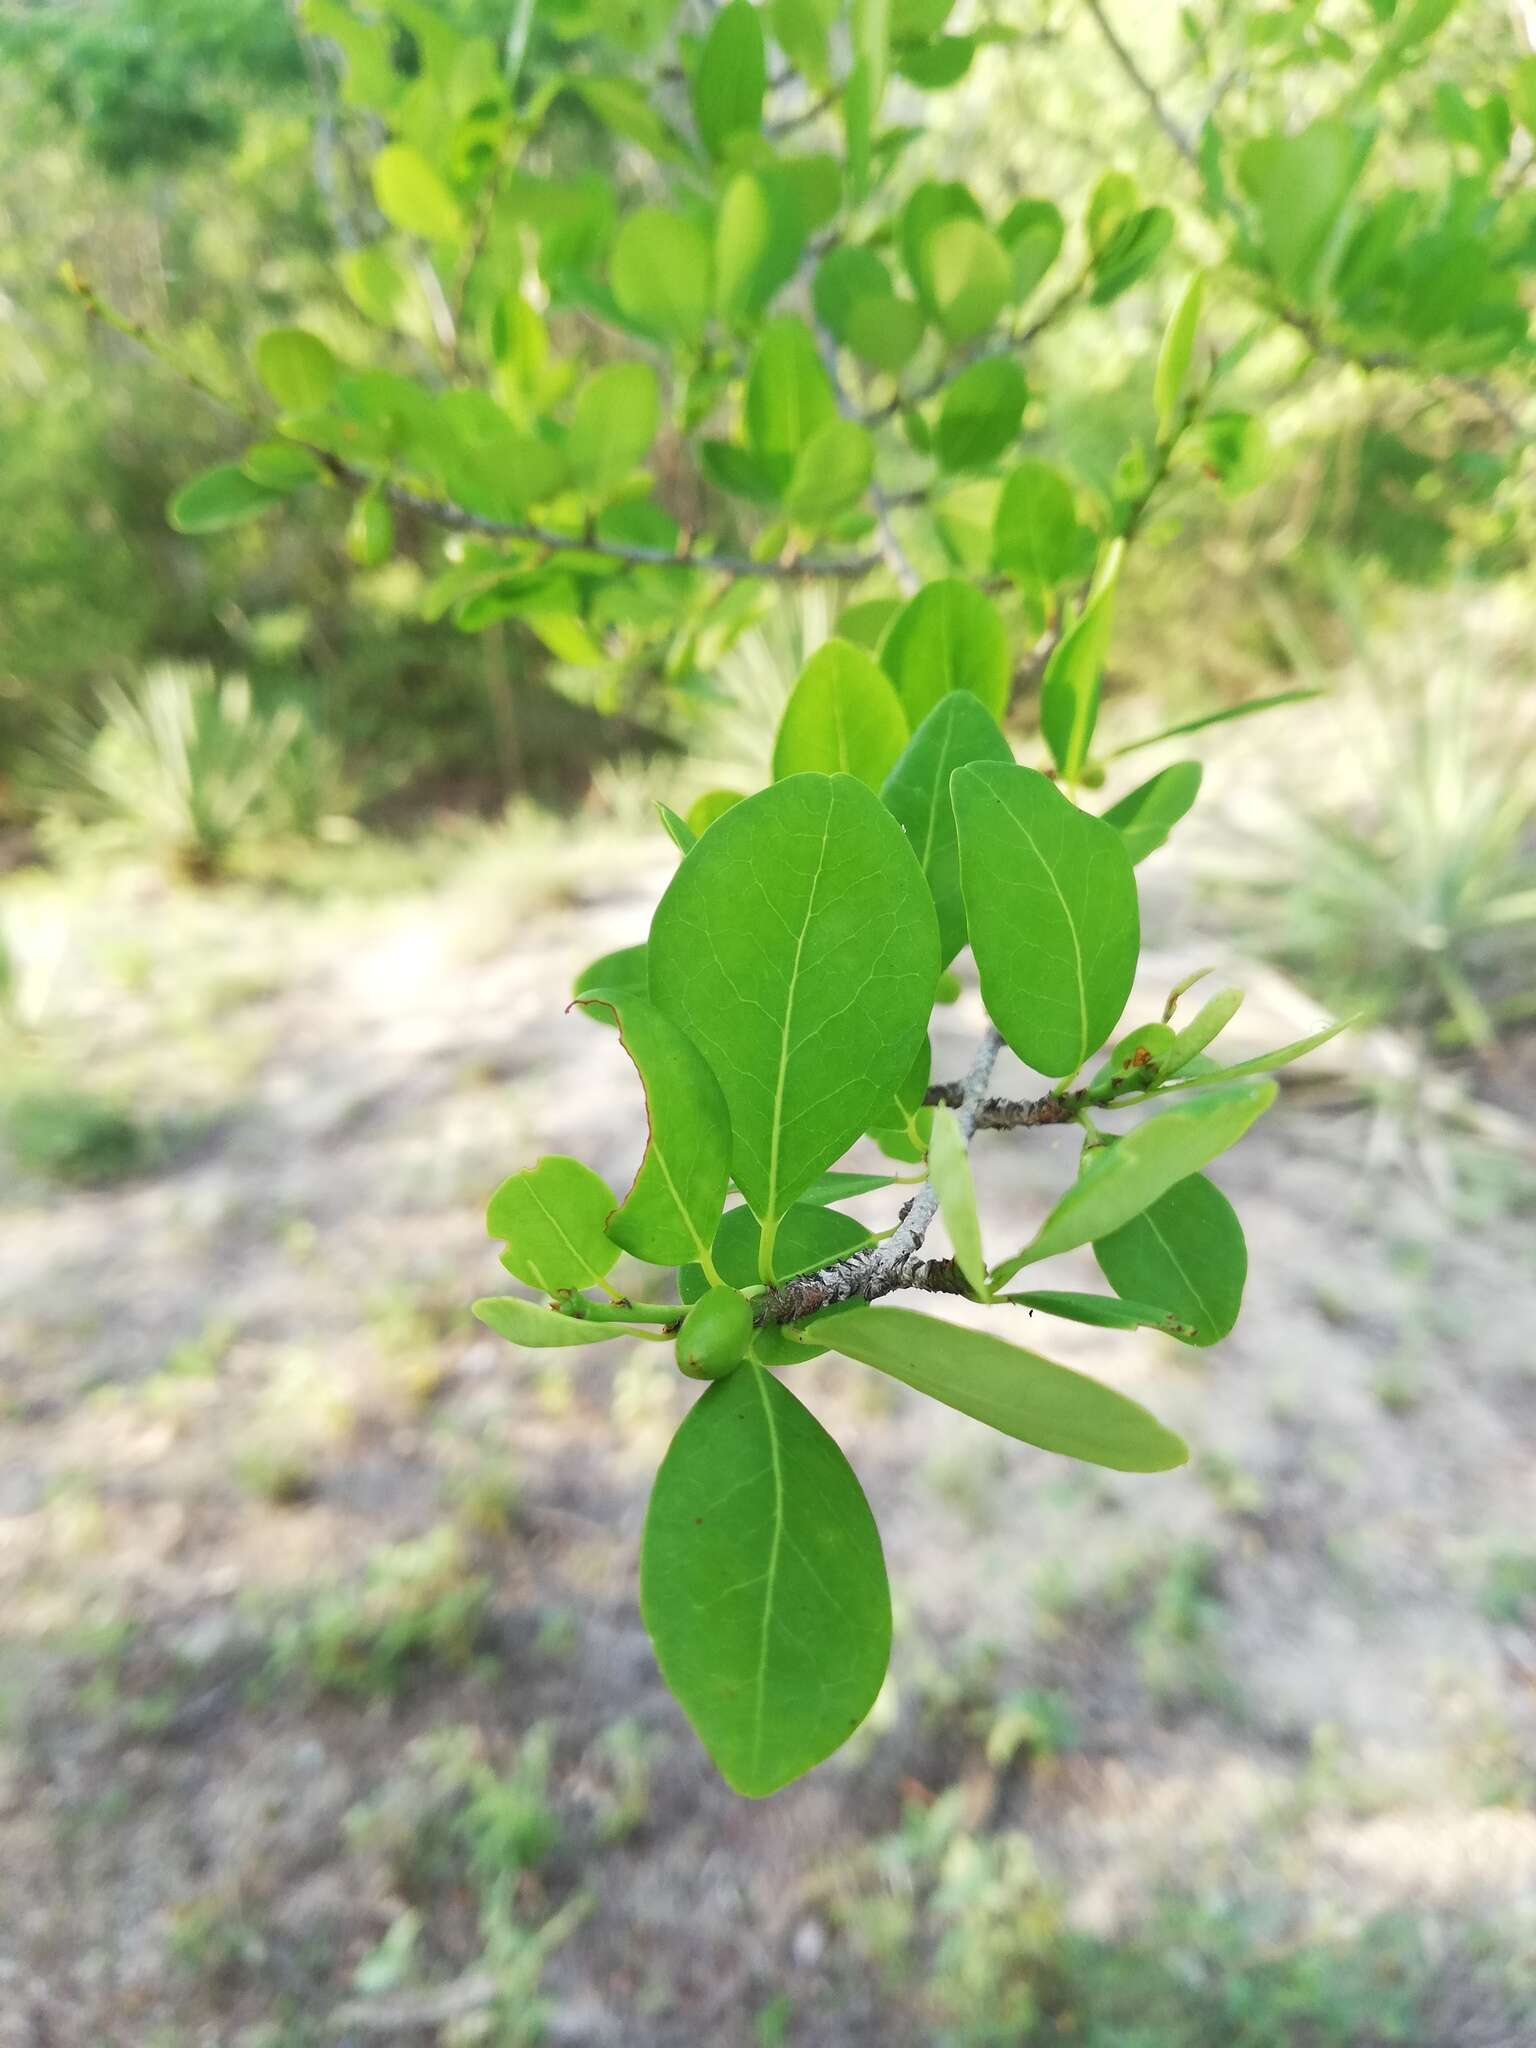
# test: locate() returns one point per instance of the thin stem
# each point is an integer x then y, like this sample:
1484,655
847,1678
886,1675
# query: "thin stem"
884,1268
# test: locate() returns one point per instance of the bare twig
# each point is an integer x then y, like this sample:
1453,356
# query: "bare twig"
999,1114
1142,83
885,1268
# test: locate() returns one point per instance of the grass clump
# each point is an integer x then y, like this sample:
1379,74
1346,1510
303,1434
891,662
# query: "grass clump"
418,1605
75,1137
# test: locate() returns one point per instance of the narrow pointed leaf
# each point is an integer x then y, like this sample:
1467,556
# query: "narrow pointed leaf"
958,730
763,1585
678,830
1101,1311
1147,814
1009,1389
949,1168
671,1212
1173,732
1176,355
553,1218
1267,1062
1186,1253
731,78
1208,1022
1119,1181
948,637
797,948
1050,901
842,717
1069,689
539,1328
843,1187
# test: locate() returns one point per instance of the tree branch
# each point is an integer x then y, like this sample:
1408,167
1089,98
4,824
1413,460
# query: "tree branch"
999,1114
884,1268
1143,84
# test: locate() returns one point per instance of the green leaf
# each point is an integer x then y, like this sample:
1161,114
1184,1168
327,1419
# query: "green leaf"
1111,204
280,466
1300,185
539,1328
800,30
553,1217
901,1125
842,717
625,970
1101,1311
217,499
865,623
968,278
1173,732
659,273
678,830
1119,1181
1136,1062
1147,814
1175,357
1050,900
842,1187
383,287
1135,247
1267,1062
788,394
948,637
1037,536
1009,1389
713,804
370,530
796,946
297,368
930,205
670,1213
412,196
762,1583
957,730
613,422
759,236
979,414
1032,231
949,1168
846,277
885,333
1235,446
1208,1022
1186,1253
1069,689
831,473
731,78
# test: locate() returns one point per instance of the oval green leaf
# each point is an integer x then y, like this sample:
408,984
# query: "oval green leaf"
763,1585
1050,903
217,499
957,730
796,947
1037,537
1186,1253
411,195
613,422
842,717
297,368
731,78
979,414
670,1212
659,273
553,1217
1147,814
948,637
1011,1390
831,473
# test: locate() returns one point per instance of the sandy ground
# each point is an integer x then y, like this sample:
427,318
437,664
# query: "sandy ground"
229,1381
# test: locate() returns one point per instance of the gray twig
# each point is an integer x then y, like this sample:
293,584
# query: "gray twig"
885,1268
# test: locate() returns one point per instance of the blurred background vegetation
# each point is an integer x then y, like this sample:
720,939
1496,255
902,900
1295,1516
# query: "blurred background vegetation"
322,1704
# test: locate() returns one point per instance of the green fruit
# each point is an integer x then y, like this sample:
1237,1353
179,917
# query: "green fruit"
715,1334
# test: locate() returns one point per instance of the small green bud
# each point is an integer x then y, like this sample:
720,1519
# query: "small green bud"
1091,775
370,531
715,1334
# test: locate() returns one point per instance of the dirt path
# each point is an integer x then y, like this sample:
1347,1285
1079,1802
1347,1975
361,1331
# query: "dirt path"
1285,1692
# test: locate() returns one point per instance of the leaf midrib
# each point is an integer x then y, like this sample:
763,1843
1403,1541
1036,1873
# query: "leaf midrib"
770,1577
1066,911
788,1026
